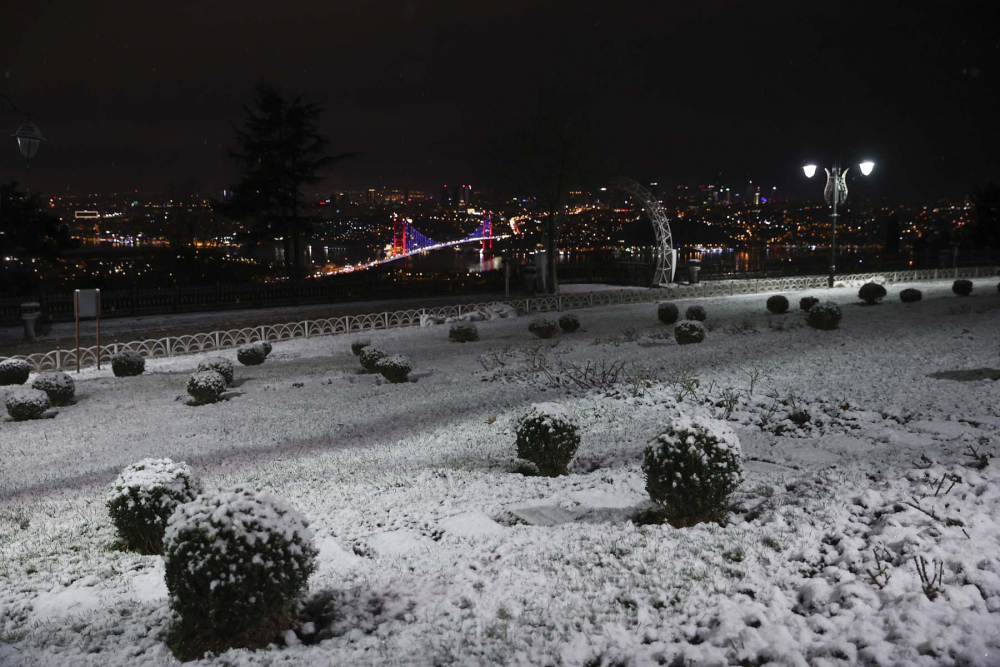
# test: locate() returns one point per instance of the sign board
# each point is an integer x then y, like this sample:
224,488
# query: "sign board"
88,303
87,306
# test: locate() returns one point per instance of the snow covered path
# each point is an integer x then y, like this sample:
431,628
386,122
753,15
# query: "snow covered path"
433,551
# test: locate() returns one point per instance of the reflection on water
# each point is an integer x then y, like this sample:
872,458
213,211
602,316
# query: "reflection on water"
475,259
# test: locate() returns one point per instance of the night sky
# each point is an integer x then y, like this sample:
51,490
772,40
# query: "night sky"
144,95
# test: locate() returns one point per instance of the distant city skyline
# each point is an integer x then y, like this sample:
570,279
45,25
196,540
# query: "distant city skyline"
424,91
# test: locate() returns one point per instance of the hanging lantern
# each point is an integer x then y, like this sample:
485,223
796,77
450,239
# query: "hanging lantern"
29,139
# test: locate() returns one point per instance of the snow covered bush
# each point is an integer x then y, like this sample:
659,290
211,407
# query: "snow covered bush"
394,369
962,287
543,327
696,313
251,354
143,498
547,437
825,316
24,404
206,386
569,323
692,468
59,386
688,332
236,562
871,293
777,304
14,371
358,345
220,365
128,363
369,358
807,302
910,295
668,312
463,332
267,347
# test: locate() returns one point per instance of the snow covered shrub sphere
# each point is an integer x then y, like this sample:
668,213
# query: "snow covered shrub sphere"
370,357
463,332
267,347
236,561
569,323
777,304
128,363
668,313
220,365
543,327
359,345
688,332
693,467
59,386
206,386
24,404
825,316
14,371
251,354
547,437
143,498
807,302
696,313
871,293
910,295
394,369
962,287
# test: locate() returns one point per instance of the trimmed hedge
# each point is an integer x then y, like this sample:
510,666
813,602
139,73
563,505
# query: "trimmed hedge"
910,295
962,287
206,386
569,323
689,332
696,313
777,304
871,293
548,438
807,302
220,365
463,332
14,371
543,327
692,468
251,354
667,312
824,316
25,403
128,363
236,562
59,386
143,498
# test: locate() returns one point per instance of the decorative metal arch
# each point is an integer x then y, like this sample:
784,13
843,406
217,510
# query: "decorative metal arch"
666,256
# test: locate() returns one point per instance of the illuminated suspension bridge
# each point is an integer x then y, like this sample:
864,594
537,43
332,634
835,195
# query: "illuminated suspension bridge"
407,241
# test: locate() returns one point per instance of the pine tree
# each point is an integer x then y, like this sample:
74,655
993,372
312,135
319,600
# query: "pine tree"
279,151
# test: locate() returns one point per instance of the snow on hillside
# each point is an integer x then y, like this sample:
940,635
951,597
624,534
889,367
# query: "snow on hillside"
434,550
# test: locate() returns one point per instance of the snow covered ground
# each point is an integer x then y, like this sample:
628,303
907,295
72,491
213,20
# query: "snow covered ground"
434,550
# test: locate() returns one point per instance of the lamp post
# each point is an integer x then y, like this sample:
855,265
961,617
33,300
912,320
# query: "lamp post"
29,137
835,193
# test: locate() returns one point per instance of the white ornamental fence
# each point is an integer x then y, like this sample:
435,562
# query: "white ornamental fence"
219,340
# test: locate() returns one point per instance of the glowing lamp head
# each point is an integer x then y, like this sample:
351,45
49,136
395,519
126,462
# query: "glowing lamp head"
810,170
866,167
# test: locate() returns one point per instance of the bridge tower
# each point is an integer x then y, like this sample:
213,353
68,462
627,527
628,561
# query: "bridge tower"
399,235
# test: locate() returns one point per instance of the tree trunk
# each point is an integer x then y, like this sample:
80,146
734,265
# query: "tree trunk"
551,283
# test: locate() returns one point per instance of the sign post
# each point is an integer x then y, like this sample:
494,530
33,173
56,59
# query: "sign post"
87,305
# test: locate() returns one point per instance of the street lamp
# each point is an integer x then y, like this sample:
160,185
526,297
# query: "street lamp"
29,137
835,193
